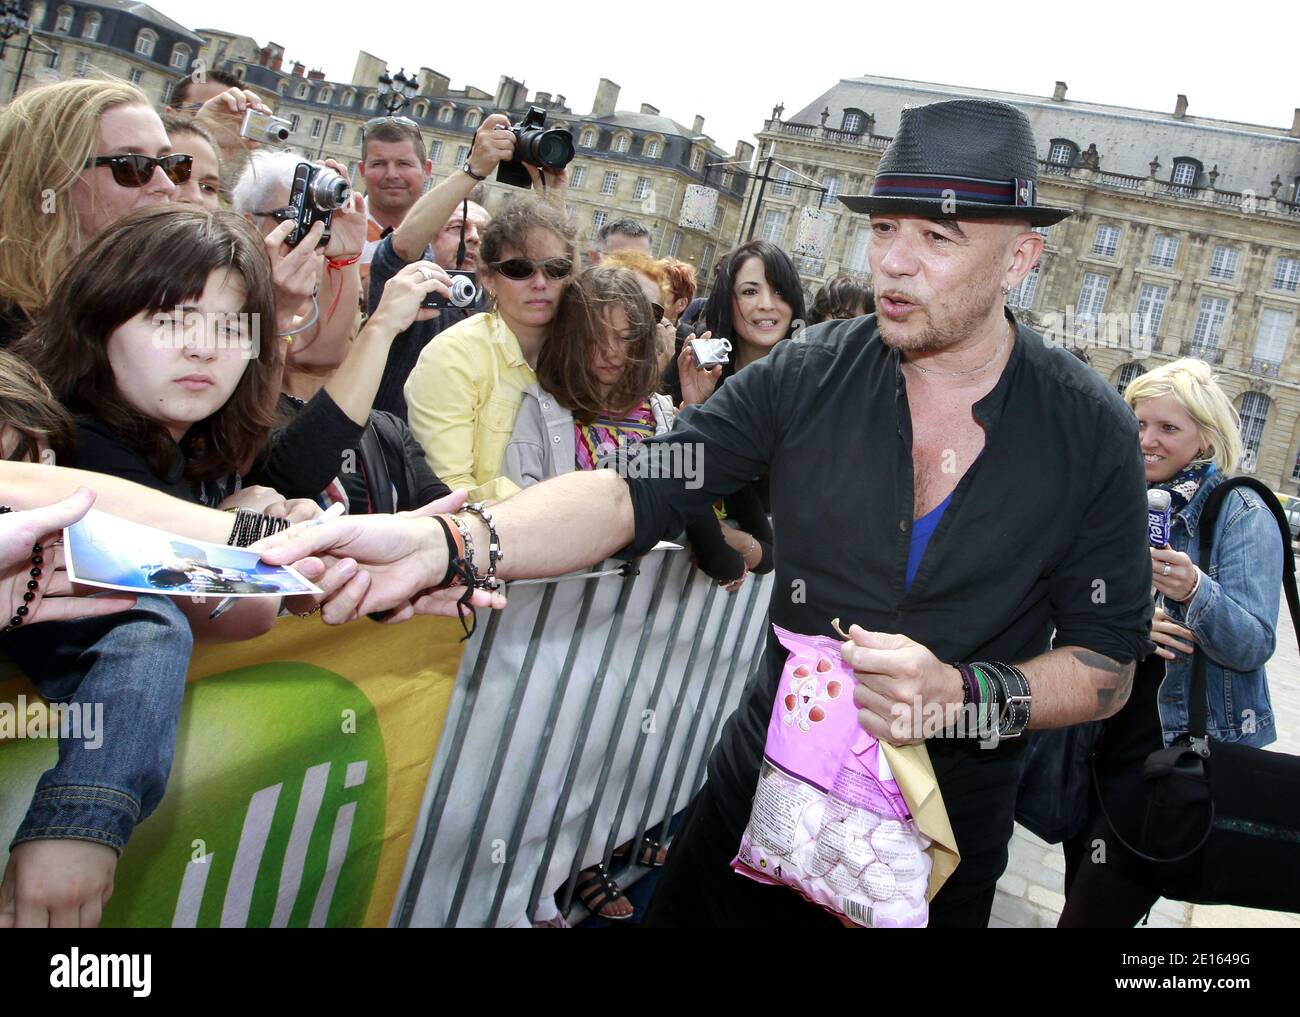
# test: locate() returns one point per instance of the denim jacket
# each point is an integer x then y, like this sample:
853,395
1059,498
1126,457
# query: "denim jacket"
1234,617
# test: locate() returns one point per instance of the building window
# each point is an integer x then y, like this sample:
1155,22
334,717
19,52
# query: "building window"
773,225
1270,339
727,179
337,136
610,184
577,177
1164,250
588,139
651,148
622,143
136,75
303,89
697,160
1023,295
63,24
855,258
349,98
325,94
832,184
435,151
675,245
240,72
1185,172
1223,264
1106,242
1254,415
90,30
598,220
473,118
706,259
180,56
462,153
145,42
1062,153
1209,324
1045,232
293,122
852,123
642,188
784,178
361,137
1092,295
82,65
1151,308
370,102
1287,274
1127,373
445,114
316,124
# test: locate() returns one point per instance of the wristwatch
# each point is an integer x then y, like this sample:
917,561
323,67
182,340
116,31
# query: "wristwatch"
466,169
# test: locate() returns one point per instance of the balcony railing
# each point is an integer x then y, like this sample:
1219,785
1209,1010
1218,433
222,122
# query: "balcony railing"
1201,351
1265,368
830,135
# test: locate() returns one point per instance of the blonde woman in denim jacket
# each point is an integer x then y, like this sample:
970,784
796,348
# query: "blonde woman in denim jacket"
1226,609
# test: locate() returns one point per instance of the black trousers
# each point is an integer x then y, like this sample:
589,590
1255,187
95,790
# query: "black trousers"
698,887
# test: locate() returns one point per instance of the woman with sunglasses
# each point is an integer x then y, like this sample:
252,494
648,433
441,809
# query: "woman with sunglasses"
465,390
92,151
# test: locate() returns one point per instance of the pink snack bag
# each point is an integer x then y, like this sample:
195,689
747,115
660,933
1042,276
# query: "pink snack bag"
828,819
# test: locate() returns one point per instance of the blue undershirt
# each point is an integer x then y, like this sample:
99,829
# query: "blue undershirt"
922,530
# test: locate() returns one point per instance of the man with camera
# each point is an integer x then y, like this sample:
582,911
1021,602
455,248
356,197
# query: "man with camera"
449,222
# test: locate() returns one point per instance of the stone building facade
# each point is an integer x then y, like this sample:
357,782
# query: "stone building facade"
1185,239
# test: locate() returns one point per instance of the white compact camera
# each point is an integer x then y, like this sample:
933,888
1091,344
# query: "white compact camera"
710,352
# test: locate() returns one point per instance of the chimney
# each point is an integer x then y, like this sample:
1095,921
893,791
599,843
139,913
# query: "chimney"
606,99
697,128
542,99
298,68
264,58
744,152
651,110
1059,94
559,102
1180,110
277,63
315,75
433,83
1295,124
510,93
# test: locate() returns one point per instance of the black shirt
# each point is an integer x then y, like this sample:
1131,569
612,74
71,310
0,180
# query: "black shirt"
406,347
1046,529
102,450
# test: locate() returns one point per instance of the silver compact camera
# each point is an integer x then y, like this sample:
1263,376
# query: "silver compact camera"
464,291
711,352
264,127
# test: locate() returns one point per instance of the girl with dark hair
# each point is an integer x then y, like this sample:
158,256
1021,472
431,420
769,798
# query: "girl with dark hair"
755,303
161,340
841,297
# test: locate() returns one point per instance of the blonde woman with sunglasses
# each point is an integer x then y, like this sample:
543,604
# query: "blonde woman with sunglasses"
465,390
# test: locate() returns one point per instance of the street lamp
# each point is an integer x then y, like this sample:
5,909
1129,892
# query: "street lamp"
15,17
398,91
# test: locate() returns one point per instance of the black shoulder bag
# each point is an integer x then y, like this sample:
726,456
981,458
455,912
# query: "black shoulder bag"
1222,822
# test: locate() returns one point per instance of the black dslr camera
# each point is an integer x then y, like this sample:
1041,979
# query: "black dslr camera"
538,145
317,193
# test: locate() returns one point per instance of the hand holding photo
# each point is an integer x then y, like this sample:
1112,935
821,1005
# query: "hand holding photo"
116,554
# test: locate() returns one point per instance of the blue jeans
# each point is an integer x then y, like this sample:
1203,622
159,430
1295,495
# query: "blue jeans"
131,666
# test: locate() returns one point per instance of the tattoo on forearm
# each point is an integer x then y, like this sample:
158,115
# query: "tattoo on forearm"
1119,677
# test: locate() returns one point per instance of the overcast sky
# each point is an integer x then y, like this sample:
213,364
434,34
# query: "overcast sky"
731,63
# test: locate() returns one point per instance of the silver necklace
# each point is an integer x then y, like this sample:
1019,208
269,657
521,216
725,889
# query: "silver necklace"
972,370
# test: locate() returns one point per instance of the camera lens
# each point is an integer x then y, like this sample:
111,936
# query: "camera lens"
554,149
276,133
463,291
330,191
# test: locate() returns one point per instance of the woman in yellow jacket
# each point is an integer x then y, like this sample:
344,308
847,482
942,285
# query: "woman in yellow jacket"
465,390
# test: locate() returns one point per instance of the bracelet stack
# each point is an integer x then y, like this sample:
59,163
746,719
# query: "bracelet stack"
23,609
250,527
1001,692
461,567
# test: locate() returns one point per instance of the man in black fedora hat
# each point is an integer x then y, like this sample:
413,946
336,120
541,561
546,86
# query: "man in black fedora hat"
971,499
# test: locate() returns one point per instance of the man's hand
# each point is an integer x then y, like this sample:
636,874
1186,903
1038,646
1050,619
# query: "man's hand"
399,557
403,295
223,115
348,224
295,271
494,144
56,884
897,678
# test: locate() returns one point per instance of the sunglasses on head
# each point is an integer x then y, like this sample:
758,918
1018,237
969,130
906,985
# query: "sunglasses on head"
137,170
374,122
520,269
659,311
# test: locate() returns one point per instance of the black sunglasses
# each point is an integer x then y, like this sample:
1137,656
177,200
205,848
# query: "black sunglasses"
281,214
520,269
137,170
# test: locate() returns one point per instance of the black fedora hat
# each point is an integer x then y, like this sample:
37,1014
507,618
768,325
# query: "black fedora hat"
965,158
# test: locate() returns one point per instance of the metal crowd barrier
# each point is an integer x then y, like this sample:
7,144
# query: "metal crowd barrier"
582,717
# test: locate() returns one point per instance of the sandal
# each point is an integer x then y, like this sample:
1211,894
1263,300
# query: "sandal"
652,853
597,889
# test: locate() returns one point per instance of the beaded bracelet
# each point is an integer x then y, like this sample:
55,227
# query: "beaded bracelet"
23,609
495,554
250,527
